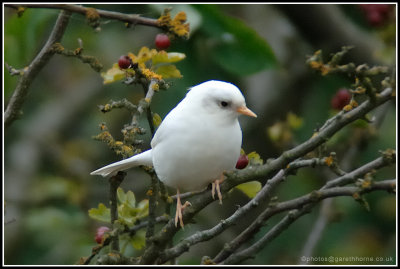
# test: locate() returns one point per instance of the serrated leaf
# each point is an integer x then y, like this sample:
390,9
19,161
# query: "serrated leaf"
127,198
254,158
102,213
156,120
113,74
250,188
126,215
168,71
138,241
167,57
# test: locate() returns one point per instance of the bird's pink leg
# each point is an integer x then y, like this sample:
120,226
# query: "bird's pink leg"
215,187
179,209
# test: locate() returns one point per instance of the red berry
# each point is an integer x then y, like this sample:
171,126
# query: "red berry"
376,14
100,233
162,41
375,18
242,162
341,98
124,62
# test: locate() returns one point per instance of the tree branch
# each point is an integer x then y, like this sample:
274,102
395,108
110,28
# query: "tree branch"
129,18
263,195
308,200
152,193
184,245
115,182
272,210
77,53
335,124
21,91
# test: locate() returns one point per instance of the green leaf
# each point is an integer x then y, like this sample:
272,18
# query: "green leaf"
156,120
126,215
254,158
236,47
102,213
168,71
113,74
130,199
250,188
128,211
170,57
143,209
121,195
294,121
138,241
360,123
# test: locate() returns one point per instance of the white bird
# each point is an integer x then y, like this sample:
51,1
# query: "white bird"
196,143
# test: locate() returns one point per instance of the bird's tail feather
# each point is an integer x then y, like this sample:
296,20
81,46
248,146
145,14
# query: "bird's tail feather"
144,158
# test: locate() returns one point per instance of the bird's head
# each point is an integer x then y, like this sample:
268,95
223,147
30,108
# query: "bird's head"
219,98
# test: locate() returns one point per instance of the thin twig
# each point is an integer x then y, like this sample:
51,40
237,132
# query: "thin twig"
77,53
133,19
184,245
257,173
250,231
115,182
21,91
316,232
308,201
152,193
143,105
144,224
13,71
261,196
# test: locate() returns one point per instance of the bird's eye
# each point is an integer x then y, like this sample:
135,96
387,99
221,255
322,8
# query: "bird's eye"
224,104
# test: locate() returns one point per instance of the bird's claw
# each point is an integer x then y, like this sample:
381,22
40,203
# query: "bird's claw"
179,209
216,188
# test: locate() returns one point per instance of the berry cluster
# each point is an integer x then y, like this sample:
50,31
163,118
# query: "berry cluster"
376,14
162,42
341,99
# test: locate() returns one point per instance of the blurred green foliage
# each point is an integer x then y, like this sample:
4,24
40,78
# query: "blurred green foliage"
237,48
49,197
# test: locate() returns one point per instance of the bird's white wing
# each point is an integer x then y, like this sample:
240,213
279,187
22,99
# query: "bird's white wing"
144,158
171,125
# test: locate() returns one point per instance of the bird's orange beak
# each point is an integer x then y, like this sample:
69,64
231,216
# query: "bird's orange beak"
245,111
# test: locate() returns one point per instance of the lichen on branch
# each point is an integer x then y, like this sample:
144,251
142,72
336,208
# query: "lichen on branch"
176,26
91,60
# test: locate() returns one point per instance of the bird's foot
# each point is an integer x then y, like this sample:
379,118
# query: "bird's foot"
179,209
216,188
